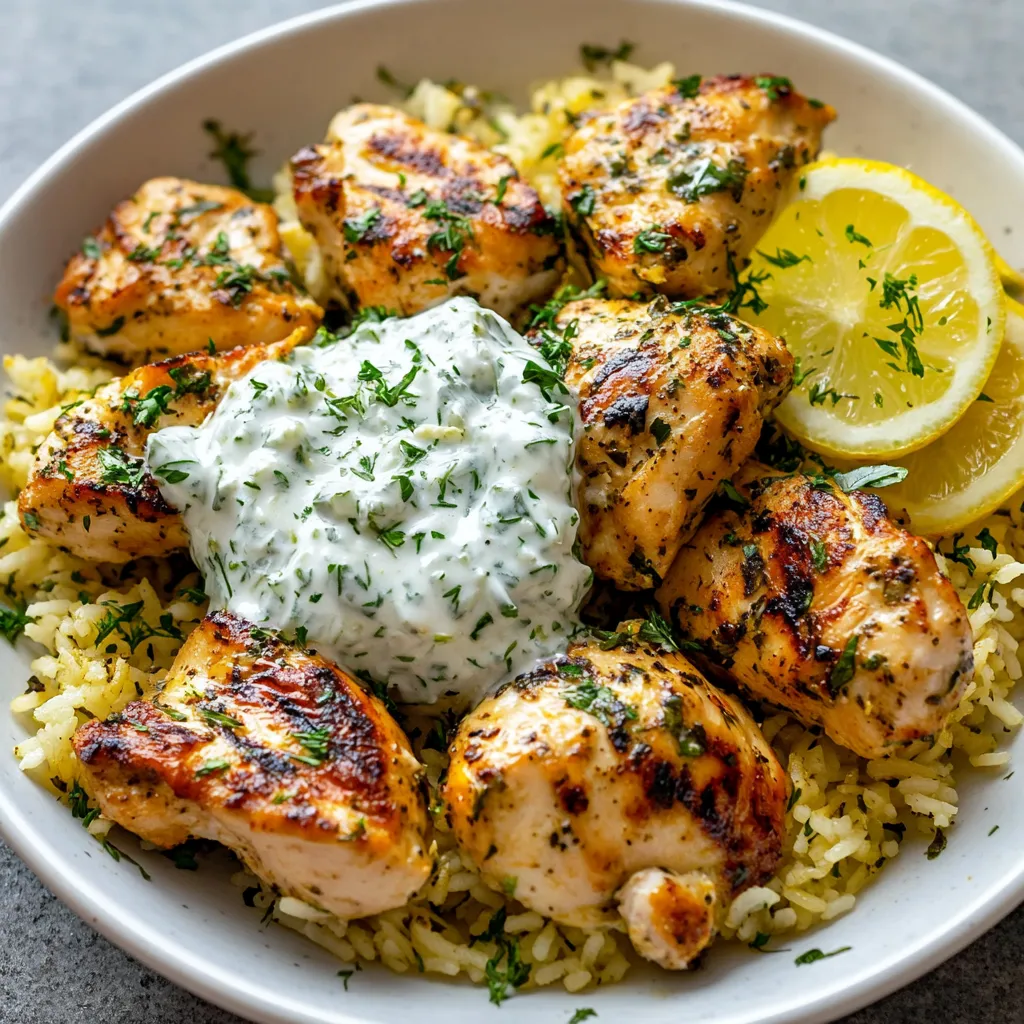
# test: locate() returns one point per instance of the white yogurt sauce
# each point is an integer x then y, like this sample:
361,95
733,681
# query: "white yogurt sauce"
399,499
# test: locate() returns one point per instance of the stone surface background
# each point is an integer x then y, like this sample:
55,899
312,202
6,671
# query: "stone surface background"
62,63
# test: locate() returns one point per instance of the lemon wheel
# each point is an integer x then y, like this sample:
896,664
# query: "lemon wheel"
976,465
889,294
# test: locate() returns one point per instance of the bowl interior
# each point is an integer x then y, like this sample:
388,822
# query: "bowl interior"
284,85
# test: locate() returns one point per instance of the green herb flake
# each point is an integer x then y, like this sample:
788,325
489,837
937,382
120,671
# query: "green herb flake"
813,955
661,430
870,476
775,86
234,151
217,764
843,670
688,87
783,259
13,622
937,845
593,56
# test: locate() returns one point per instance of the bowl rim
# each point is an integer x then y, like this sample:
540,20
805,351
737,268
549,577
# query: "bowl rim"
226,989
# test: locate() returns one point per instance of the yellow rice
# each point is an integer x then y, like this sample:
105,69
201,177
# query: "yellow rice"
848,817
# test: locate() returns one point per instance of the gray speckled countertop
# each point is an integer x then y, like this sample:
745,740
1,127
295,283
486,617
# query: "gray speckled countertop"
63,62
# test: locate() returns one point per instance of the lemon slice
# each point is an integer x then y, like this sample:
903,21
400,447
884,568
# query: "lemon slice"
889,294
979,462
1013,280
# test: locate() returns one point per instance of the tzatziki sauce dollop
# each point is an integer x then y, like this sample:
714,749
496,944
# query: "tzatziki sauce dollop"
398,499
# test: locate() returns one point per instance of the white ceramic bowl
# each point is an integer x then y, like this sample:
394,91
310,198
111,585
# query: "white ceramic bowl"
284,83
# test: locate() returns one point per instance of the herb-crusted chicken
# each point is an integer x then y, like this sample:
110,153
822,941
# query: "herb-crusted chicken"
615,781
670,190
671,404
277,754
89,490
405,216
814,600
179,265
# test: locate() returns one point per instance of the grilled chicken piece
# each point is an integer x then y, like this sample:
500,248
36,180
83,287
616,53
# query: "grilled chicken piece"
668,189
405,216
179,265
277,754
577,779
671,404
814,600
89,490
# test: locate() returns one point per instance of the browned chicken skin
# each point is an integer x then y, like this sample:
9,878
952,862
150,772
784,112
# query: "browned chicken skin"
277,754
664,188
89,490
176,266
618,775
671,404
406,216
813,599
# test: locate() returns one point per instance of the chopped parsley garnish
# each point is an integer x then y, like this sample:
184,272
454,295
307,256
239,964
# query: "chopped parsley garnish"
147,410
317,745
661,430
385,76
451,238
691,739
728,489
937,845
219,718
547,314
514,973
547,380
783,258
656,630
822,390
703,177
118,467
870,476
688,87
652,239
843,670
411,452
134,630
988,542
899,295
599,701
800,374
144,254
583,202
357,228
13,622
813,955
585,1013
382,392
774,86
234,151
91,248
852,235
170,475
819,555
112,328
217,764
193,210
593,56
499,192
556,347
